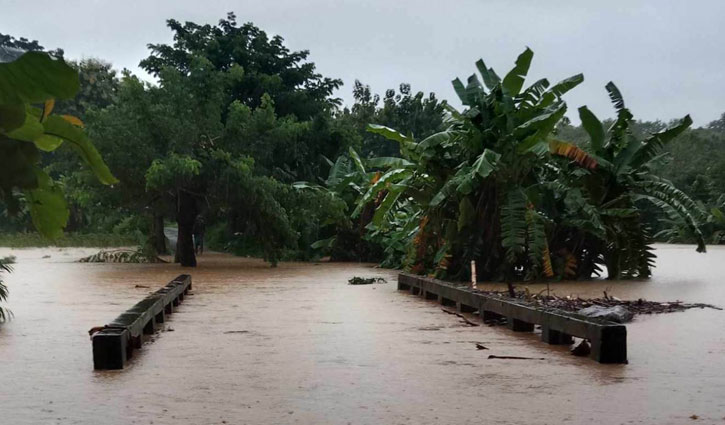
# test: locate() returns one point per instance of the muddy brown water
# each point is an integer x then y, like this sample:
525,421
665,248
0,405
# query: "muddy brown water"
296,344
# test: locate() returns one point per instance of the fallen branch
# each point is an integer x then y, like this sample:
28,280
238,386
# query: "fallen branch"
462,317
574,304
515,357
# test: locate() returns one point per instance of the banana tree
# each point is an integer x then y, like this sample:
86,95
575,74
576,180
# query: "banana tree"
623,178
477,183
349,179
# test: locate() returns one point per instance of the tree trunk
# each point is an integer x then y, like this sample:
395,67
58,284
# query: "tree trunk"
158,239
185,215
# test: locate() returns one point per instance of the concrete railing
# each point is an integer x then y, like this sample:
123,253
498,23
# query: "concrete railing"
113,344
608,339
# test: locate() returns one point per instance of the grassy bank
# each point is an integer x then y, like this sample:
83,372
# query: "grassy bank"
101,240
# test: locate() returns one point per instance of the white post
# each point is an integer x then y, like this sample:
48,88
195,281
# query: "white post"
473,274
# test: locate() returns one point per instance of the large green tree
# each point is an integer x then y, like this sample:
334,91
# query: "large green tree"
267,65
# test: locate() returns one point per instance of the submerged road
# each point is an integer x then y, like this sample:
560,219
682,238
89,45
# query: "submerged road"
296,344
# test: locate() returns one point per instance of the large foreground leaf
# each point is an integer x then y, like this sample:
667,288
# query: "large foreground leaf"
36,77
48,208
57,126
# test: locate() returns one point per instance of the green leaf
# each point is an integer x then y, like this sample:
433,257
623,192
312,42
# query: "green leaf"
654,144
48,208
674,208
514,80
11,117
474,90
615,96
301,185
536,240
490,79
593,127
57,126
386,205
559,89
543,125
391,176
30,130
513,224
531,95
544,120
434,140
356,160
563,86
324,243
485,164
388,133
461,182
48,143
339,170
388,162
36,77
460,91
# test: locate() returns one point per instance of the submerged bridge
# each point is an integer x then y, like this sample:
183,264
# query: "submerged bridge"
608,339
113,344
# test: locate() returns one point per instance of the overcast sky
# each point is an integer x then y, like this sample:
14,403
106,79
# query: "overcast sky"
666,56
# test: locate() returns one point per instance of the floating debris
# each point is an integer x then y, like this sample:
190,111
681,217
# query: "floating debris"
575,304
617,314
515,357
460,316
366,280
121,256
583,349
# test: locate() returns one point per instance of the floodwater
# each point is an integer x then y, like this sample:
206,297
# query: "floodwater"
296,344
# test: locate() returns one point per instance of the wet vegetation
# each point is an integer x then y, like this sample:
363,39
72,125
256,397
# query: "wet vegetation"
5,267
240,130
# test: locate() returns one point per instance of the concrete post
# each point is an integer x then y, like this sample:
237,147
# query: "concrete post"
109,349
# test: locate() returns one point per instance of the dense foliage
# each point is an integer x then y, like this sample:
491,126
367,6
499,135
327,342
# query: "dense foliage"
5,262
28,79
498,187
240,130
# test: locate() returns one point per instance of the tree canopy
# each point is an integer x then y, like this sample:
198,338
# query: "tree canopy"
243,131
263,64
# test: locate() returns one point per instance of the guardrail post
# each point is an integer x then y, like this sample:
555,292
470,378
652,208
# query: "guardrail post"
110,348
553,337
609,345
517,325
